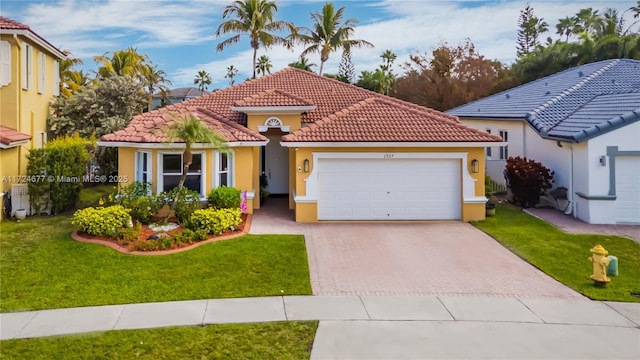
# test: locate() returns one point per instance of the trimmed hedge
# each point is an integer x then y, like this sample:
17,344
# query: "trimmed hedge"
215,221
101,221
224,197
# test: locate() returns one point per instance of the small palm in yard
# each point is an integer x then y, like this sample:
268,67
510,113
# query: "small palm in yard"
190,130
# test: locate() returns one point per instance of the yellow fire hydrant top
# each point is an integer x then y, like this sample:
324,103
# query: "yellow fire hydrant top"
600,262
598,249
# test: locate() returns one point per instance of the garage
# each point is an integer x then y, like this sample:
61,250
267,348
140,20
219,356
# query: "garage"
389,189
628,189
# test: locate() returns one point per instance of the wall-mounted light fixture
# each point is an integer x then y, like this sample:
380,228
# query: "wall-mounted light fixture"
305,165
475,166
603,160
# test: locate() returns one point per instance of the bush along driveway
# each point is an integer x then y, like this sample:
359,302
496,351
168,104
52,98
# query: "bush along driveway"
564,256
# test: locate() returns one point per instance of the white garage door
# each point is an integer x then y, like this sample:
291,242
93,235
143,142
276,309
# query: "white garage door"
628,189
389,189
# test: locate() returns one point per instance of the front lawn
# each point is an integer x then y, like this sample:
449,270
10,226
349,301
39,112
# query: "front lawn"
564,256
282,340
41,267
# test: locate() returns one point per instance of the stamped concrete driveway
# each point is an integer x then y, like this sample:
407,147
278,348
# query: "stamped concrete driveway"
410,258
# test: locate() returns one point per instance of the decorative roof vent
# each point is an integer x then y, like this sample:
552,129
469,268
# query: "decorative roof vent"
580,73
548,92
507,96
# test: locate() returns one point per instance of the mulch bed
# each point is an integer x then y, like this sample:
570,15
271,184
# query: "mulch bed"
128,246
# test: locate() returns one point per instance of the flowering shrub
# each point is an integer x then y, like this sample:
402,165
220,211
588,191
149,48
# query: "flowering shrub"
215,221
528,180
224,197
102,221
188,201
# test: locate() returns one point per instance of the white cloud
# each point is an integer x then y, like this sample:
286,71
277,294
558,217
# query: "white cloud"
80,26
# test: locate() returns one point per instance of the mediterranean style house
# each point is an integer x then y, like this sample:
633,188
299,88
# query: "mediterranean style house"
338,151
29,78
584,124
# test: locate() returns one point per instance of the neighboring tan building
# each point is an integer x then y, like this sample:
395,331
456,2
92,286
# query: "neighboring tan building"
29,78
340,152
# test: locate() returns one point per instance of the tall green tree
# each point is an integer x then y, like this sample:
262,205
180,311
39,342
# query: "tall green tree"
565,27
264,65
303,64
70,80
190,130
346,70
329,34
255,18
202,79
530,27
232,72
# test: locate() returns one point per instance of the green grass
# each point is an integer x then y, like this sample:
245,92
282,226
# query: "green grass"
41,267
564,256
90,196
283,340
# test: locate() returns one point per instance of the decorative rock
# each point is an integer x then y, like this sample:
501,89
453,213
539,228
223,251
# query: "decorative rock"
158,236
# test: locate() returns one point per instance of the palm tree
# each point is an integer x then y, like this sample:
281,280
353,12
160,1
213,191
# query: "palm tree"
202,79
123,62
232,72
190,130
303,64
565,27
153,79
330,34
589,23
67,73
74,82
264,65
256,19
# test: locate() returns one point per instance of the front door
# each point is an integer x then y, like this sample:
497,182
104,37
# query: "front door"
277,166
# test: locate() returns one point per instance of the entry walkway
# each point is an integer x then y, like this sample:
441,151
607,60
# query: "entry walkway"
367,327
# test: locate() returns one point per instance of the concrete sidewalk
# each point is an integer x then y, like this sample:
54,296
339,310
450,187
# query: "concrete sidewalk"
365,327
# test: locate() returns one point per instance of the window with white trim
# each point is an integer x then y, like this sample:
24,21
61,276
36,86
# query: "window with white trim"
143,166
504,150
488,147
223,169
42,72
27,66
5,63
170,171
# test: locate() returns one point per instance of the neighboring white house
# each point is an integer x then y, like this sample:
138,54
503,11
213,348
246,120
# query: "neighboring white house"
582,123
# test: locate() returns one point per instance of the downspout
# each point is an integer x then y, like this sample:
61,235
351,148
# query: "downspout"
572,208
19,89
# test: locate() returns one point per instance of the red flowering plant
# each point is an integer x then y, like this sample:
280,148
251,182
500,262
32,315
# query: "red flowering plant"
528,180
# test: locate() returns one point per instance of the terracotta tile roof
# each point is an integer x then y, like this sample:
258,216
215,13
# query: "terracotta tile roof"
377,119
12,24
273,97
148,127
362,114
8,136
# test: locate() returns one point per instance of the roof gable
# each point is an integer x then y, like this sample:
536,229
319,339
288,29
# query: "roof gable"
560,106
9,26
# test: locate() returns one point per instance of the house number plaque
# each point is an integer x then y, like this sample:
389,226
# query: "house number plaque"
389,156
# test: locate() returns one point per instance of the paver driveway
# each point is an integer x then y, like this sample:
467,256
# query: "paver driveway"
411,258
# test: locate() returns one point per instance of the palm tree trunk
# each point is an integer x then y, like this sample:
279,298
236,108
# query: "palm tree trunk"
321,66
255,54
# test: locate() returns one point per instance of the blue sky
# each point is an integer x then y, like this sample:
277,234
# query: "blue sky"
179,36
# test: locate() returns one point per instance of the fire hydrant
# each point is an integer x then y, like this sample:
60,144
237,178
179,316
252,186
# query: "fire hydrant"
600,261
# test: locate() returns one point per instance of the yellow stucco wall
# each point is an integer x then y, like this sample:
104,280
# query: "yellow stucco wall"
245,173
25,110
307,212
